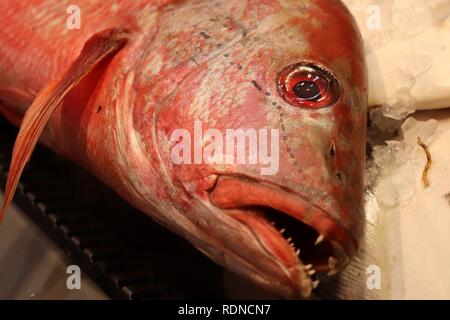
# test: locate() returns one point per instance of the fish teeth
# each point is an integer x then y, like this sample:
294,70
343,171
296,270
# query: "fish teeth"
319,239
332,272
332,262
282,230
308,266
311,272
289,240
315,284
297,252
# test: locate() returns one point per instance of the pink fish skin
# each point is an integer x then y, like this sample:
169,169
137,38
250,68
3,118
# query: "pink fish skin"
235,64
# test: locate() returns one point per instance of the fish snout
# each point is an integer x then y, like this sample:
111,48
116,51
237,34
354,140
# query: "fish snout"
297,234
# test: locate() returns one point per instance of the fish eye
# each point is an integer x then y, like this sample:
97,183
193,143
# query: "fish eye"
308,86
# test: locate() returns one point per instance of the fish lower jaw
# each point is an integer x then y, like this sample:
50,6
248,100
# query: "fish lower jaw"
299,273
276,220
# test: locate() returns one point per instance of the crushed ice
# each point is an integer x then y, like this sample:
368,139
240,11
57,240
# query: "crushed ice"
396,159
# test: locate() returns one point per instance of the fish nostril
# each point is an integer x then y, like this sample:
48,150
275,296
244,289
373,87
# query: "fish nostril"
210,182
332,151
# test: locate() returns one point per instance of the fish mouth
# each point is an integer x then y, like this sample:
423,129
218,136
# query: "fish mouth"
303,239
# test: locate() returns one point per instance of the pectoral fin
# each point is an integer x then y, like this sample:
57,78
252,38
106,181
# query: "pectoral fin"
95,50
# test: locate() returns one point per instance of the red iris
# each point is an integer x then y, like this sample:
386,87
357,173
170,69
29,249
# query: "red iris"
308,86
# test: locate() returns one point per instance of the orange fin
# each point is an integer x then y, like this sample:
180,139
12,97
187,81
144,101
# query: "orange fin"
95,50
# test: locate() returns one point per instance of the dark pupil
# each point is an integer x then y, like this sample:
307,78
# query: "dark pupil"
307,90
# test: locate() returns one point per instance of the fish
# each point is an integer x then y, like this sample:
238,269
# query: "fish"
238,125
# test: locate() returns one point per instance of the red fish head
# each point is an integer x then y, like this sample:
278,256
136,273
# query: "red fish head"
262,135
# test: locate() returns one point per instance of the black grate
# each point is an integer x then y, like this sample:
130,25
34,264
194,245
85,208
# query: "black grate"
122,250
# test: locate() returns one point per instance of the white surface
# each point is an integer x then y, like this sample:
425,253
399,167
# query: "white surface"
408,56
32,267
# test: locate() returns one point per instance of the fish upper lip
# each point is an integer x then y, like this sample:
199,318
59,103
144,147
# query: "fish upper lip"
237,193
